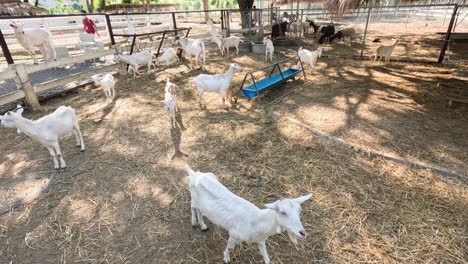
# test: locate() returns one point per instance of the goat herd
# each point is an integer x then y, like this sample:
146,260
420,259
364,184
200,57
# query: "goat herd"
244,221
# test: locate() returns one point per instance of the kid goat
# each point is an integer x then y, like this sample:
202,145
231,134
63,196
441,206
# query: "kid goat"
385,51
244,221
47,130
170,102
35,37
215,83
107,84
136,60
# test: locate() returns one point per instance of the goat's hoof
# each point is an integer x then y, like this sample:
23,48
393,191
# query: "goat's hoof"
204,229
82,150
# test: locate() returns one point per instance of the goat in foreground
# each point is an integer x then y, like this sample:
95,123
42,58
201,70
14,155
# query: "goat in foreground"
193,47
215,83
244,221
310,57
269,48
385,51
107,84
136,60
47,130
35,37
170,102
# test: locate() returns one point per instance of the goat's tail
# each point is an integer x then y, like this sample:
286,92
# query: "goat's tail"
299,49
189,170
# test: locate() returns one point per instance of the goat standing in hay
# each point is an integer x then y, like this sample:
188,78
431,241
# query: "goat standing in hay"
215,83
47,130
107,84
244,221
35,37
385,51
170,102
192,47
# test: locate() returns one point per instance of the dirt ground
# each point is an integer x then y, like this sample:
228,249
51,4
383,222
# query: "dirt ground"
124,200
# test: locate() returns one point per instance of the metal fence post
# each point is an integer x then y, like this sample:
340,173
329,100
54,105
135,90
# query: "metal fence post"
109,28
30,100
447,35
174,21
6,51
365,32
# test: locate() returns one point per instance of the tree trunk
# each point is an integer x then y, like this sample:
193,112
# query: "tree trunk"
102,3
245,5
206,7
90,4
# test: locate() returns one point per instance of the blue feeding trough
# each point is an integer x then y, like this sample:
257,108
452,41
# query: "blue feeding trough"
258,87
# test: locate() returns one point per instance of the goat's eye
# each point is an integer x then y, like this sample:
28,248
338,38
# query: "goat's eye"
283,213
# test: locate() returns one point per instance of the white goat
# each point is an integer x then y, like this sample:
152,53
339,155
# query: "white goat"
136,60
385,51
296,29
47,130
244,221
310,57
219,83
107,84
35,37
306,27
168,57
170,102
219,42
231,42
192,47
215,37
269,48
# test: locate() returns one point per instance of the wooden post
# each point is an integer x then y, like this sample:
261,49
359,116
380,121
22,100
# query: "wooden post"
109,28
6,51
447,35
228,24
30,100
260,24
365,32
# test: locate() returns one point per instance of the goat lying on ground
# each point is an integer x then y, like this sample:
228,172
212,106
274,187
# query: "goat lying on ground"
170,102
107,84
244,221
385,51
192,47
136,60
219,83
35,37
309,57
231,42
47,130
168,57
269,48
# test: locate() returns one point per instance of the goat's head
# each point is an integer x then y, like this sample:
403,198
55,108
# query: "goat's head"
17,26
178,40
236,67
170,87
265,39
319,51
9,119
210,21
288,213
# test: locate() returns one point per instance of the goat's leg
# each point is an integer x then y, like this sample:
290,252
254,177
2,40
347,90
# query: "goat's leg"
194,215
32,54
52,52
79,140
263,251
56,147
45,54
223,98
203,226
230,246
52,153
237,49
201,102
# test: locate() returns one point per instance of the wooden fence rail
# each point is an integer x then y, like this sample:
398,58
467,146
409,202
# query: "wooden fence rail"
28,91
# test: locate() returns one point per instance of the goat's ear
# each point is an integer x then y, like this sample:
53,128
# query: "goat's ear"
20,111
302,199
18,131
273,206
